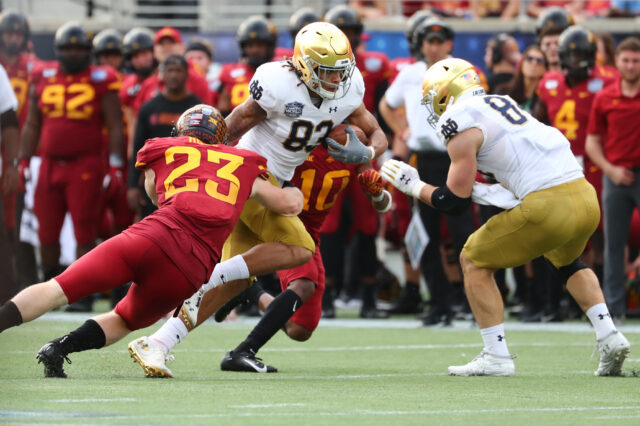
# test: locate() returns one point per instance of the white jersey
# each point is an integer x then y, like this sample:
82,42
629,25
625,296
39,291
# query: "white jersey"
521,153
294,125
406,90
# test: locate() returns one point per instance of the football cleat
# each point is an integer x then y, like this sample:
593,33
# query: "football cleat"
244,361
150,357
53,359
190,308
613,350
485,364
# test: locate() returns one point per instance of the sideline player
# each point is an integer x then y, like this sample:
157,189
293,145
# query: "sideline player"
554,210
170,253
322,180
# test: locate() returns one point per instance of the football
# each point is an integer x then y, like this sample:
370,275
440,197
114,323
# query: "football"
339,134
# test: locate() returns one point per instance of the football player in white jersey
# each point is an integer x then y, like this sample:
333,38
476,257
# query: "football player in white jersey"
292,107
551,209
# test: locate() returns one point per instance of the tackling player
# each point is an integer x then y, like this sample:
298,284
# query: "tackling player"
293,107
551,209
188,177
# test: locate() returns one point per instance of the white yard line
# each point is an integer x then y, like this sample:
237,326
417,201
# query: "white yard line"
92,400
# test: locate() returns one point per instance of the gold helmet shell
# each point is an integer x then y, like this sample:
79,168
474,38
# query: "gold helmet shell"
321,48
447,80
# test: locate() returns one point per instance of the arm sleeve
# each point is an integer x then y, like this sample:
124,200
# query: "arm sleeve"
597,118
8,100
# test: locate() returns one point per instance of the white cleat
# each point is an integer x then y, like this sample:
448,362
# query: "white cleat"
150,356
613,350
485,364
190,308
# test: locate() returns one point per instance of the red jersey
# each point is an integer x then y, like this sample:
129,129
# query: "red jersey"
615,118
321,178
201,192
374,67
71,109
235,79
19,78
568,108
128,93
196,84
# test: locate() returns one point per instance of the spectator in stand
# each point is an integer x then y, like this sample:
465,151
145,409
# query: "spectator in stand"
156,120
370,9
9,176
549,26
14,57
435,40
612,144
107,48
70,104
606,53
256,37
501,57
168,41
492,8
624,8
200,54
447,8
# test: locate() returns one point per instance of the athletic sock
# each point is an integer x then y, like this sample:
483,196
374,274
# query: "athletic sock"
170,334
275,317
229,270
9,316
494,340
88,336
601,320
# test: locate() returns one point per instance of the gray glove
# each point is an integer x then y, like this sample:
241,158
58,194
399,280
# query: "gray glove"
354,152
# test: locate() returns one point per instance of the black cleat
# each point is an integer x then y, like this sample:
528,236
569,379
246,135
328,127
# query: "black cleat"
247,296
244,361
53,359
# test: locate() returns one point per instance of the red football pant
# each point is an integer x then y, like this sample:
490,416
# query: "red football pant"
158,285
75,186
310,312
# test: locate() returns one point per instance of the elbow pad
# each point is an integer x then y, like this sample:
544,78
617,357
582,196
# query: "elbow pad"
446,201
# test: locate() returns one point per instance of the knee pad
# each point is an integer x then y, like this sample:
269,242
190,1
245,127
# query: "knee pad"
567,271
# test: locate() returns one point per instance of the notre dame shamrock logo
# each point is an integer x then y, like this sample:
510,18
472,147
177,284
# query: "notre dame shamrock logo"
449,128
256,90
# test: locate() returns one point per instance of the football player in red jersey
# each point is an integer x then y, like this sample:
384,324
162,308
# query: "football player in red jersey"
170,253
322,180
257,40
565,99
69,103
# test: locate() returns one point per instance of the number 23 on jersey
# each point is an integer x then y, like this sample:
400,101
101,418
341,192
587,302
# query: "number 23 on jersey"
194,160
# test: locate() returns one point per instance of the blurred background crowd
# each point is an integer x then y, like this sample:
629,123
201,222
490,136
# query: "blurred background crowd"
122,72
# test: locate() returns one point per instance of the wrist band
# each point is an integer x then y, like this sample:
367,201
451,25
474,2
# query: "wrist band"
389,203
417,189
378,197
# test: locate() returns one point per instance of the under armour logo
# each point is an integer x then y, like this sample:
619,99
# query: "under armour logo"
222,278
500,338
333,109
602,316
449,128
404,179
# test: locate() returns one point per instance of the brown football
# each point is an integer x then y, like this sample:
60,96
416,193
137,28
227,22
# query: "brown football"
339,134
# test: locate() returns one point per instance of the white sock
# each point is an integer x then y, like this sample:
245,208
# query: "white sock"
229,270
494,340
601,320
170,334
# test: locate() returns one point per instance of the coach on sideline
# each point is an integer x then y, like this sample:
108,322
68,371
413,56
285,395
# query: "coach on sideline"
614,117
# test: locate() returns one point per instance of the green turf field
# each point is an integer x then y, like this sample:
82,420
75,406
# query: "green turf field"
348,373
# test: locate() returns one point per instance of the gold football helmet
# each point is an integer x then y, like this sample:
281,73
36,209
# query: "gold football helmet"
444,83
322,49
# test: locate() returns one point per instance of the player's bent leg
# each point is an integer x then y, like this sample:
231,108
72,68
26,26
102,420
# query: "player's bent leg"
482,292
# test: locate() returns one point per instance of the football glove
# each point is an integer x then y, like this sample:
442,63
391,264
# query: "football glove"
354,152
402,176
371,183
